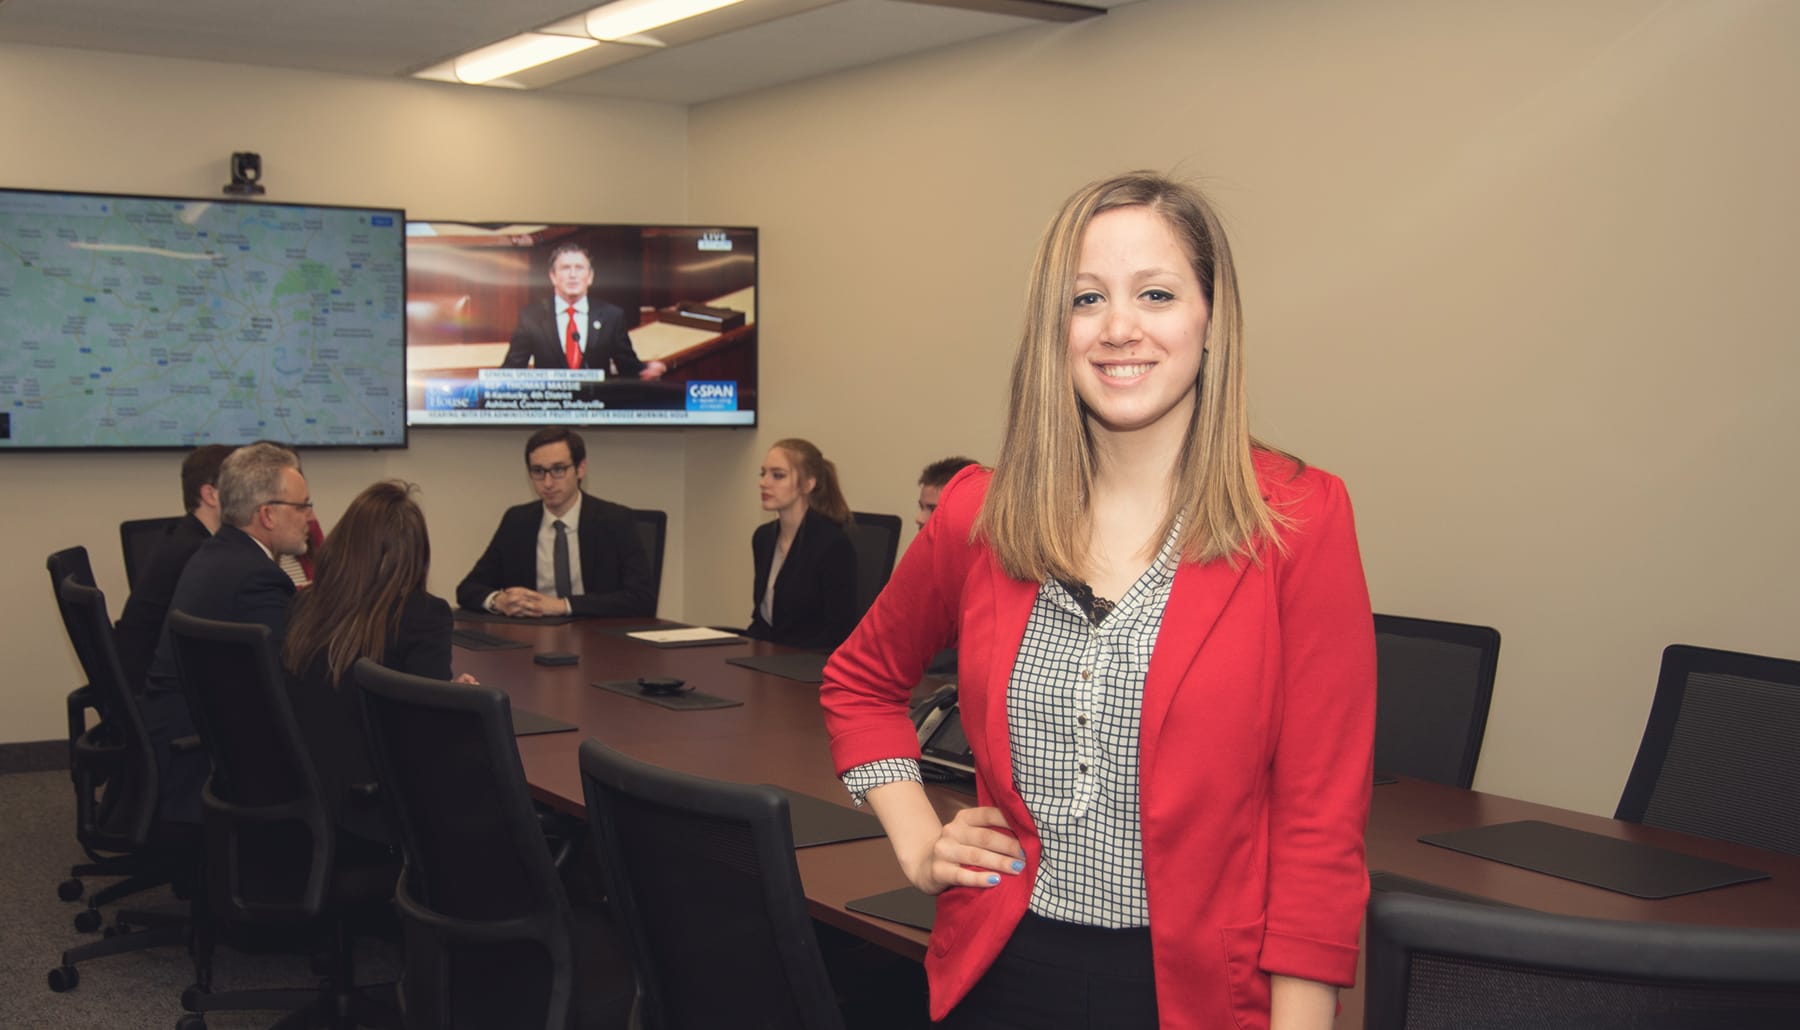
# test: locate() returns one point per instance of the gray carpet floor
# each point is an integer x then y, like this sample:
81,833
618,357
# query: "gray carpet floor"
142,989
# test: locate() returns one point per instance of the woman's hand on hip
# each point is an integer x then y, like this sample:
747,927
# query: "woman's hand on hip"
974,849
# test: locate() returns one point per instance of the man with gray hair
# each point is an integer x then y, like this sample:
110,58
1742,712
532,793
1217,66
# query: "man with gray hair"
234,577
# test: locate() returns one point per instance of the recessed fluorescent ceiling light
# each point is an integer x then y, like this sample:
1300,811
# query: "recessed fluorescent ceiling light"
624,18
526,50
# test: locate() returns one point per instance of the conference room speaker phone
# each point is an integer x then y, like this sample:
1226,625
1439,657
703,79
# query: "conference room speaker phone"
944,749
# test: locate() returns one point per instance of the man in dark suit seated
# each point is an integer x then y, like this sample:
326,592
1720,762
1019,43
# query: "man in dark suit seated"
140,625
574,329
529,569
263,504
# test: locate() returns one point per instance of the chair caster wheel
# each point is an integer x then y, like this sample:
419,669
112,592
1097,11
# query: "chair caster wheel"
69,890
87,920
64,978
191,1021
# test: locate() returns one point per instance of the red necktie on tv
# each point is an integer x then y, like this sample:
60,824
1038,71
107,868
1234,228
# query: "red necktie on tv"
572,350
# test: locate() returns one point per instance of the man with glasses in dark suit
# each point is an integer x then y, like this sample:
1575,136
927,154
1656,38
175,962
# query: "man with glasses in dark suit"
264,505
567,553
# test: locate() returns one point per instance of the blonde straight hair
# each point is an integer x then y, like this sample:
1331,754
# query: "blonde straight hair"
1035,517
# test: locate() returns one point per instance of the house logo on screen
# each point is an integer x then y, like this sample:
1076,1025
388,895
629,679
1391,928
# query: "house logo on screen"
712,396
715,239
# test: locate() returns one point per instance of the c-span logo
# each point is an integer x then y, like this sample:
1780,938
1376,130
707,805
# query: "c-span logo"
712,396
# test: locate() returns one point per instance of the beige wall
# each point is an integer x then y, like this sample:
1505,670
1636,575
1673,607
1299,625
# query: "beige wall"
1514,270
103,122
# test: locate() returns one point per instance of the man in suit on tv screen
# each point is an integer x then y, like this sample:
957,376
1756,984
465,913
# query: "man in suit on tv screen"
574,329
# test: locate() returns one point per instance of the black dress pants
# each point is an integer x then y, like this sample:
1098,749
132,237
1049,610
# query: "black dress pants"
1053,975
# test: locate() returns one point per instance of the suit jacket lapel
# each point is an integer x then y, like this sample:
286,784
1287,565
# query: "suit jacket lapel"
1196,599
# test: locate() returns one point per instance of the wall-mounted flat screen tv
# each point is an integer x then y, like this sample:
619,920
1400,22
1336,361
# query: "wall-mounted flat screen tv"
146,322
536,324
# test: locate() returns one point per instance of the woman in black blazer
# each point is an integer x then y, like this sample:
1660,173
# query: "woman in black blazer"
805,592
367,600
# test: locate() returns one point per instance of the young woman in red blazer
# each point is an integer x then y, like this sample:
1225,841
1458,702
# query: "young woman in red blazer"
1166,662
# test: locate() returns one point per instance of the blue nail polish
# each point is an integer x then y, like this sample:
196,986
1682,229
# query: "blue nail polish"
1018,867
993,878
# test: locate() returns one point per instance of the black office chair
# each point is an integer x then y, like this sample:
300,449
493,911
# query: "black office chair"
138,539
1720,755
1434,964
653,531
702,873
116,781
273,855
1433,683
876,539
73,561
490,935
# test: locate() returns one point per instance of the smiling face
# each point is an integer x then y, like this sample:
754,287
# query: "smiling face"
781,484
1137,330
571,275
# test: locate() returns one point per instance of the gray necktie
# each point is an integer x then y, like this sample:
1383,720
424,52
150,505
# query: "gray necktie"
560,560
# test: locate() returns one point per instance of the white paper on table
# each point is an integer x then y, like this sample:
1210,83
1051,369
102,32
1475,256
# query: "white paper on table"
684,635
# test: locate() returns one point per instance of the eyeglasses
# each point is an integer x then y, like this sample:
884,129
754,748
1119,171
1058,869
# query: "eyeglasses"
304,506
557,471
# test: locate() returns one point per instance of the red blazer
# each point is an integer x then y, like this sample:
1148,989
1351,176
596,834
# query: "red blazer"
1255,747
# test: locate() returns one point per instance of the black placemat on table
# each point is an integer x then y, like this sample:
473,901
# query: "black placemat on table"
1382,880
527,723
908,905
471,615
817,821
804,666
476,640
688,701
1626,867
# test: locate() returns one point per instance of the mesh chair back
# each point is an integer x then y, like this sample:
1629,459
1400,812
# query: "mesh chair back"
1720,755
703,875
270,838
1434,681
138,539
1435,964
72,561
653,530
876,539
489,928
114,767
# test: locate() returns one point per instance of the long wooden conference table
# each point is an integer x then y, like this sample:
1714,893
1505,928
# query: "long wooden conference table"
777,736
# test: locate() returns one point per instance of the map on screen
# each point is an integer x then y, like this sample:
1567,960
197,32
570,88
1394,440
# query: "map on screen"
164,322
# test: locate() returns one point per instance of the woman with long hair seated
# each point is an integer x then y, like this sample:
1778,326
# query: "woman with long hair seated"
367,600
805,567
